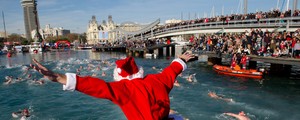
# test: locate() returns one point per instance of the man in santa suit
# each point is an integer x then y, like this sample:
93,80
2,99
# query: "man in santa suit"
139,97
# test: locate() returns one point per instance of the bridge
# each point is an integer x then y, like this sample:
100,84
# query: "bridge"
272,24
236,26
154,30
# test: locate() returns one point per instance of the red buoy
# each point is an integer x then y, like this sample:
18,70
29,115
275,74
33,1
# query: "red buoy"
8,54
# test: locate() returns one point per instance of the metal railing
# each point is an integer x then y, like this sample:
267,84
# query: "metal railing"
252,23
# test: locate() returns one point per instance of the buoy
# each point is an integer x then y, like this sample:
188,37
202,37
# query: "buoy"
8,54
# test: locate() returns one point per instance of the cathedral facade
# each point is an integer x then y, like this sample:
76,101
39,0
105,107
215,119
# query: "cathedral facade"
101,33
92,33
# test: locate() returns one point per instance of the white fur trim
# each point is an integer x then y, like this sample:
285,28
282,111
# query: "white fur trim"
71,82
119,70
118,77
183,64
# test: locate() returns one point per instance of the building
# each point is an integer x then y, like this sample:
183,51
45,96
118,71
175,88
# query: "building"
29,17
54,32
2,35
51,32
106,29
92,31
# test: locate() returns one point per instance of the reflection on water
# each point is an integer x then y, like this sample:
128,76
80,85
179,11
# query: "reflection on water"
270,99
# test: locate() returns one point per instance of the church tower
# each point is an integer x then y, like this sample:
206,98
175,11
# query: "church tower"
93,31
108,27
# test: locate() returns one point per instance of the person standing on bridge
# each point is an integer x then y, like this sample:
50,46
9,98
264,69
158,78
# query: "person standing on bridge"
139,97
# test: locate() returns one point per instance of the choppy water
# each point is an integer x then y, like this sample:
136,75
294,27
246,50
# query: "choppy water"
271,99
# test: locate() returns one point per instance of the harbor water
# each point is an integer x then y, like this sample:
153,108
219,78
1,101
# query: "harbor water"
273,98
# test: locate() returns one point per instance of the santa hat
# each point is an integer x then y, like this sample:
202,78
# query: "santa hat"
127,69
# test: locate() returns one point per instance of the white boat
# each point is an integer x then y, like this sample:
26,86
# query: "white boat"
18,49
149,55
181,43
35,47
84,47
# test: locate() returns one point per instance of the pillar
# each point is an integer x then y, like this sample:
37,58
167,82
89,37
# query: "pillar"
173,50
214,60
160,51
252,64
151,51
167,51
280,69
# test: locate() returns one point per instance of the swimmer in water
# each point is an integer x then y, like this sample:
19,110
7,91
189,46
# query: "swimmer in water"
103,74
98,68
176,83
154,68
19,79
214,95
240,116
8,80
190,78
180,75
40,82
24,113
94,75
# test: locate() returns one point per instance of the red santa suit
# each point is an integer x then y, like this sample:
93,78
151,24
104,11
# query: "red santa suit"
140,98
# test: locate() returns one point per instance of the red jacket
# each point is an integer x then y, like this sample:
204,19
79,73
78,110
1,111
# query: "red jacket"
244,60
139,99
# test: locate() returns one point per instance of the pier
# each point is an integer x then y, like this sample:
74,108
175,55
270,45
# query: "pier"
155,50
108,48
151,51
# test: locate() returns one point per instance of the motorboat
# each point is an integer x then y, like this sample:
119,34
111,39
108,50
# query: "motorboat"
238,72
35,47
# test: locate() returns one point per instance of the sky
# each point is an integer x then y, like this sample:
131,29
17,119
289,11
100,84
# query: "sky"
74,15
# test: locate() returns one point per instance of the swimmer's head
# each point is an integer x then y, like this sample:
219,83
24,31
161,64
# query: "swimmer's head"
242,113
26,111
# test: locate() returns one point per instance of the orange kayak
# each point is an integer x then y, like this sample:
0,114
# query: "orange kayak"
238,73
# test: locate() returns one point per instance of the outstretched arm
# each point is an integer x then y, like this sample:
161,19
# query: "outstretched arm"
168,75
55,77
115,91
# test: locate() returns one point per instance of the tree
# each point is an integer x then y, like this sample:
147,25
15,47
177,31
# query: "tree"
72,37
25,42
50,39
14,38
17,38
82,38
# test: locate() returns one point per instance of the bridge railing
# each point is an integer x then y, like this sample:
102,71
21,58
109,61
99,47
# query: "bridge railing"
253,23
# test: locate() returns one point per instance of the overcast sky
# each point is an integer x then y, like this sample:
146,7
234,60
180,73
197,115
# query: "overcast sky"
75,14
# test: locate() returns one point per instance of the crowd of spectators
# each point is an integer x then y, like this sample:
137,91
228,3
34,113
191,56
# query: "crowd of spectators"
133,43
276,13
253,42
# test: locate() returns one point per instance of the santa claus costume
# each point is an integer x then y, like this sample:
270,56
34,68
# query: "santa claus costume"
139,97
